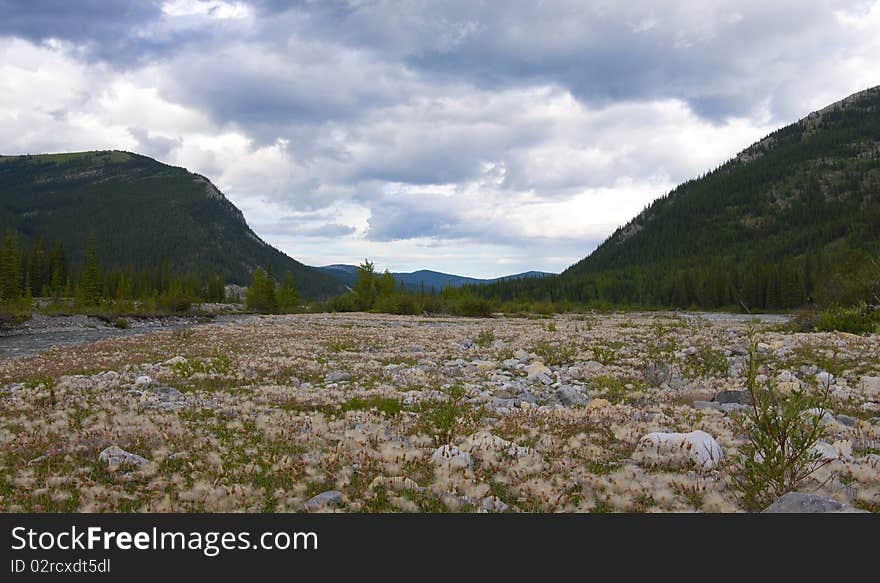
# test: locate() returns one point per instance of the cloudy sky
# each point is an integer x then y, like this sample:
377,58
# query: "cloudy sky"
477,137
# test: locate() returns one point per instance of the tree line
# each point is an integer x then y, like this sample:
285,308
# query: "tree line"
44,270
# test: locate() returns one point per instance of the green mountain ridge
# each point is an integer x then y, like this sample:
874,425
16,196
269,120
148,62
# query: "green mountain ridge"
760,231
142,213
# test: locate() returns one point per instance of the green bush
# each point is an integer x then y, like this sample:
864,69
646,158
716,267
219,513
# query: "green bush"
446,420
473,307
399,303
855,320
782,432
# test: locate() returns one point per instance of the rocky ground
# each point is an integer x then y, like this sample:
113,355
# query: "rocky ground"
355,412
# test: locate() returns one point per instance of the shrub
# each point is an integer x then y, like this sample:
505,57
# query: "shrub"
446,419
401,304
855,320
474,307
486,338
782,432
555,353
122,324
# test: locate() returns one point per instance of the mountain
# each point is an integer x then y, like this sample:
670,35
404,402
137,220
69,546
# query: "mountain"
142,212
761,231
414,280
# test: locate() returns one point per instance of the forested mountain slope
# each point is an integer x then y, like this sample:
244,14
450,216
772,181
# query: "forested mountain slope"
142,213
771,228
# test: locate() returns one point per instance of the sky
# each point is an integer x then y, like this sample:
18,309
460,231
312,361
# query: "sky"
481,138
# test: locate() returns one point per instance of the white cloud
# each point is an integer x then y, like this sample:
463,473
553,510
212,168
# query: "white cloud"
452,136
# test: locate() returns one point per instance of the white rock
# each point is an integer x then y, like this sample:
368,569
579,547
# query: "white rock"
825,379
142,380
870,387
175,360
116,457
830,452
697,446
451,456
535,370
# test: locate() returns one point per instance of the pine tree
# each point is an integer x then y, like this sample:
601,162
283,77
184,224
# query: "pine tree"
365,288
90,288
260,295
287,297
10,268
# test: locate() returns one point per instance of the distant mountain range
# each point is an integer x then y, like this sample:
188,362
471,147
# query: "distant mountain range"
430,279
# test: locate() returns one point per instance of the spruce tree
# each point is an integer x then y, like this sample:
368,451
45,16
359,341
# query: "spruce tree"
287,297
10,268
90,286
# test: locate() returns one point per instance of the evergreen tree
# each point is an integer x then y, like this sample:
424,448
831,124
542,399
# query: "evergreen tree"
287,297
365,287
10,268
260,295
90,286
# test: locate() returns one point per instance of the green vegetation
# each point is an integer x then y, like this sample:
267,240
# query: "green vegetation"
485,338
447,419
92,288
794,221
143,214
782,432
556,353
374,292
855,320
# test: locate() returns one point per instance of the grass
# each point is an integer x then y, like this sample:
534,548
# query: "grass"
556,353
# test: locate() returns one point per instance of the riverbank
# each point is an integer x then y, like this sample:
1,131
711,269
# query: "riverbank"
371,412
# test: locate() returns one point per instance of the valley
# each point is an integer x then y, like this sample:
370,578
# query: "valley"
373,413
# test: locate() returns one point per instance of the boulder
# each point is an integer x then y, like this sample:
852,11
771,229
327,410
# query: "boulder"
537,368
336,376
732,396
679,448
870,387
570,396
115,457
322,500
452,457
802,503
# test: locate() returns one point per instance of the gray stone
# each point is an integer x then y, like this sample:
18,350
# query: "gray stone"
863,444
493,504
328,498
825,379
733,396
337,376
167,393
735,408
707,405
800,502
570,396
115,457
847,420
